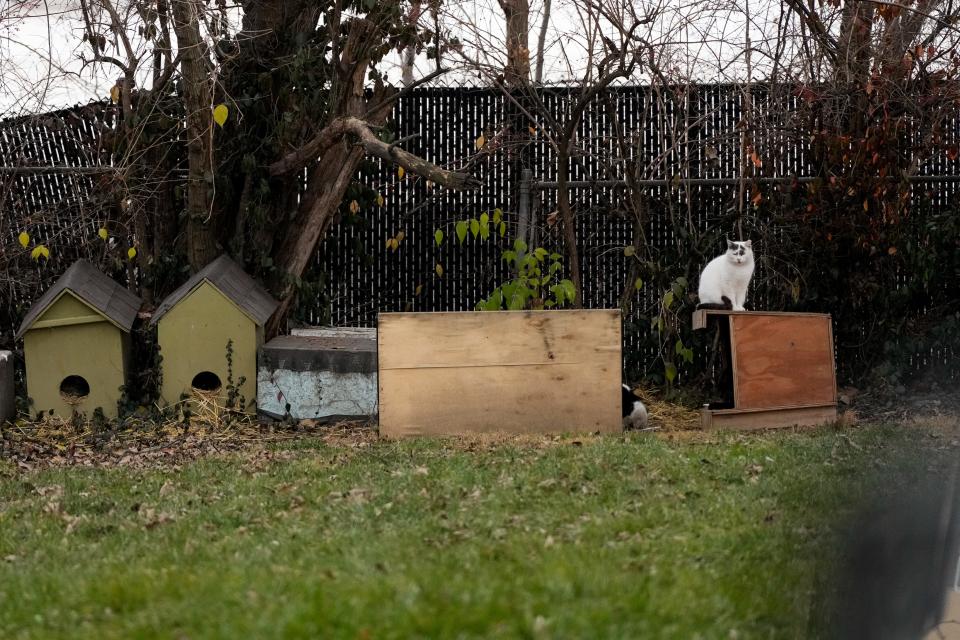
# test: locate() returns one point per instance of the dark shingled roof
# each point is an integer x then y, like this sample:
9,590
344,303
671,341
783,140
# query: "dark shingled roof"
232,281
98,290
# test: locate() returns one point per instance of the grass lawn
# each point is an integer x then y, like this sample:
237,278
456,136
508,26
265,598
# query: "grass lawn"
639,536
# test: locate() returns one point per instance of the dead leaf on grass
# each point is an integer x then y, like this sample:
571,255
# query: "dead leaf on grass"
72,522
166,489
151,518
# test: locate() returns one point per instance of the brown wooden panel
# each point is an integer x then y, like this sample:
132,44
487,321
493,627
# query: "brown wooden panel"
782,360
767,418
515,372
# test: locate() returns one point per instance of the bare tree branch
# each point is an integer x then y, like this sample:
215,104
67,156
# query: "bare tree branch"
341,127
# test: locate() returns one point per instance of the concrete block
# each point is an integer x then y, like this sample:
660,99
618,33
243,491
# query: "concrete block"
322,375
8,404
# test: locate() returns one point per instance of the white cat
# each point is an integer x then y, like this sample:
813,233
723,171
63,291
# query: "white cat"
634,413
724,281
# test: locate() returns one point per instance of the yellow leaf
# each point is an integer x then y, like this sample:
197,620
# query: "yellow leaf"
379,200
400,236
220,113
418,290
24,239
103,233
892,251
481,141
533,131
39,251
866,205
131,253
400,172
439,270
115,93
389,243
354,207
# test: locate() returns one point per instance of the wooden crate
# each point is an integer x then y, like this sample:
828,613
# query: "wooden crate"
783,369
506,371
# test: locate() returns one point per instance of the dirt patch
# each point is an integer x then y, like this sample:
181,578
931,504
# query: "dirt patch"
930,399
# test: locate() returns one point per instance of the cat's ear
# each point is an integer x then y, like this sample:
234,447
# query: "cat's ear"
748,243
731,245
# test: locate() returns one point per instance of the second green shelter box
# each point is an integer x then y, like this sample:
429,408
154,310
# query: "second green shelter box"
209,332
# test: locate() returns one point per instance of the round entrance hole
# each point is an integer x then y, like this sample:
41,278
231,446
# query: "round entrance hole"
74,388
206,381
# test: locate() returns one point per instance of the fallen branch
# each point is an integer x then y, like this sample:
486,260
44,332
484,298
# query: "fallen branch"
341,127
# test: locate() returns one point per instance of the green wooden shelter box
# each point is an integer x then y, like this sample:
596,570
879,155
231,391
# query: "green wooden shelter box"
76,343
209,331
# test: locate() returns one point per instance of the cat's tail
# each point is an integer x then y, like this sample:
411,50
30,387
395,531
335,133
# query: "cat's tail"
727,305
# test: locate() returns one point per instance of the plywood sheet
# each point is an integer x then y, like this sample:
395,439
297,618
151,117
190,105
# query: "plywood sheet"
782,360
738,420
514,372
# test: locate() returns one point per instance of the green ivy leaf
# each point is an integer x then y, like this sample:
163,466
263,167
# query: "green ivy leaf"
484,219
540,253
667,299
670,371
678,348
461,230
484,231
638,284
474,227
682,282
568,289
519,245
557,292
687,355
556,256
629,250
497,215
438,236
503,229
509,256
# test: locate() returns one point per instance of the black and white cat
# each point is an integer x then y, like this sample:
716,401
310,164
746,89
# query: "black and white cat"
634,413
725,279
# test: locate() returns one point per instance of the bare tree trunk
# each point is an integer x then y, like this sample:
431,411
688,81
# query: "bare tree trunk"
542,42
329,178
410,53
517,69
201,220
328,181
